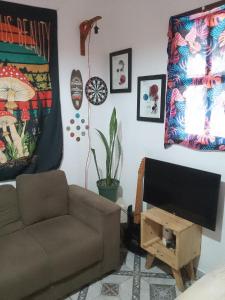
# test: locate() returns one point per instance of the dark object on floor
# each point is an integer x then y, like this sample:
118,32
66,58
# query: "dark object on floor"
132,234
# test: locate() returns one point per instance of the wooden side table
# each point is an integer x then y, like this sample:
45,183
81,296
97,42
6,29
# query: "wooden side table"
187,237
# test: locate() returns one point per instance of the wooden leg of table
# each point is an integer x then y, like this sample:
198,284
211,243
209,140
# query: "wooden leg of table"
190,270
178,278
149,261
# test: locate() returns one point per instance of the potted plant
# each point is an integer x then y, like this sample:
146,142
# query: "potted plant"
108,185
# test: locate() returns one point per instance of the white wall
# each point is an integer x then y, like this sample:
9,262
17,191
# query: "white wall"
141,25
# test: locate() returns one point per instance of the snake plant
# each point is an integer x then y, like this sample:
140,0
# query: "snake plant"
110,146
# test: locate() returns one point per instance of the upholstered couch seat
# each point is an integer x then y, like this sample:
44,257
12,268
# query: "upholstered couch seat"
24,266
74,251
54,237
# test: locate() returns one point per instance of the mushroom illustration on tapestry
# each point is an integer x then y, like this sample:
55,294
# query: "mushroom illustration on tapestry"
25,116
14,87
3,158
8,120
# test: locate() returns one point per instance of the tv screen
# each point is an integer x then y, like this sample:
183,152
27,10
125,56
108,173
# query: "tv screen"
189,193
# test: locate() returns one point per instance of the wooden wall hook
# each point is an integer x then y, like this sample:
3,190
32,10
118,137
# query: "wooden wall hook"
85,28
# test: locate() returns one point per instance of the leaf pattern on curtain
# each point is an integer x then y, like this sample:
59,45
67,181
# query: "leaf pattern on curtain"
195,104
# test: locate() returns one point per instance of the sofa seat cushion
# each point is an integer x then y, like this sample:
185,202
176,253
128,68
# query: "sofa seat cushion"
23,266
70,245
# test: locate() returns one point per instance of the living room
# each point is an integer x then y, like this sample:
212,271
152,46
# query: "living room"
143,27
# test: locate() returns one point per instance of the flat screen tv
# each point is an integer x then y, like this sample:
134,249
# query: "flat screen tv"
189,193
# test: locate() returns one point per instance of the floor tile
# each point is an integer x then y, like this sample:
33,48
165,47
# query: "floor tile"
129,262
74,296
94,291
162,292
118,279
102,297
156,280
110,289
126,289
133,282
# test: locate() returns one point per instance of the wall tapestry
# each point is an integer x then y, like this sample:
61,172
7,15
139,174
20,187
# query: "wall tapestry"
195,108
30,116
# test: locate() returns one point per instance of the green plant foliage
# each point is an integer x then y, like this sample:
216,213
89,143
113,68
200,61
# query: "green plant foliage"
19,128
110,150
11,152
32,145
96,164
29,143
119,156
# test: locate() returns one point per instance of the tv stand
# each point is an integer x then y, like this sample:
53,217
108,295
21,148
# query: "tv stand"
187,246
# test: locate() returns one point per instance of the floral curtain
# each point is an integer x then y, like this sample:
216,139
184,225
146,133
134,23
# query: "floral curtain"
195,104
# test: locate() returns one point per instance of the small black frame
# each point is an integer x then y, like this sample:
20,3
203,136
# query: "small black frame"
151,98
120,71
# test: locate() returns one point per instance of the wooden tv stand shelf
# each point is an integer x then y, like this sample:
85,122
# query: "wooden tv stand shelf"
187,237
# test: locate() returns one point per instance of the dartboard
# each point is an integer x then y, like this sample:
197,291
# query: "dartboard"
96,90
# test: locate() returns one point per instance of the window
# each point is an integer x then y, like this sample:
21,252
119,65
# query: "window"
195,104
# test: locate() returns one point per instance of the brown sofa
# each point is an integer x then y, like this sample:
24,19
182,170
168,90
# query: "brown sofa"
54,238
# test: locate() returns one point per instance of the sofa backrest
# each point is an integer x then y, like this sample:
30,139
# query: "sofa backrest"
42,196
9,213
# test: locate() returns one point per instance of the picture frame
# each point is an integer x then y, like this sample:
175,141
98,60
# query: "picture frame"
151,98
120,71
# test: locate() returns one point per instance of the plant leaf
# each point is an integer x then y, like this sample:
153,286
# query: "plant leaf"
112,127
96,164
108,156
113,133
119,156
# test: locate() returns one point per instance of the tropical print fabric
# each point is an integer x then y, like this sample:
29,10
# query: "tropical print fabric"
195,104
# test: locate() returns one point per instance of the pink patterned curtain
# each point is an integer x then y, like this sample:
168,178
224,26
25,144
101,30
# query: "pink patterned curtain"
195,104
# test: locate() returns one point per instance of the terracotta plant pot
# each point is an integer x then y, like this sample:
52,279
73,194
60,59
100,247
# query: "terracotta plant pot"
108,191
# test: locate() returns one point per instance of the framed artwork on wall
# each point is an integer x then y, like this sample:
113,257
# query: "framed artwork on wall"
120,71
151,98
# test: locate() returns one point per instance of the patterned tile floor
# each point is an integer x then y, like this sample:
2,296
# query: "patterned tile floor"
132,282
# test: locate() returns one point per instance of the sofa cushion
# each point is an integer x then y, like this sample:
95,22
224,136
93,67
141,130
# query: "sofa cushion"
42,196
70,245
23,266
9,214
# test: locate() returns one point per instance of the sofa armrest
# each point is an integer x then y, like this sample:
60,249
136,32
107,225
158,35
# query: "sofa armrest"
102,215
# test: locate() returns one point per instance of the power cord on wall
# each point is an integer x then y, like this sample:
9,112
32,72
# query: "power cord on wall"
89,118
